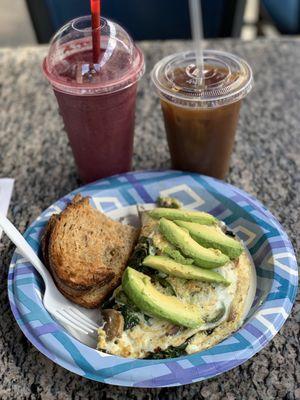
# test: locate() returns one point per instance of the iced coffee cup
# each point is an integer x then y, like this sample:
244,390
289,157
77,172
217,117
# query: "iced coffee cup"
96,100
201,115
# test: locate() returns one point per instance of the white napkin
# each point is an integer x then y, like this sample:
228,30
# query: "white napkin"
6,188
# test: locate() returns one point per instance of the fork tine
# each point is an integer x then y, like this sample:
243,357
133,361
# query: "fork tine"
73,322
84,318
79,320
62,318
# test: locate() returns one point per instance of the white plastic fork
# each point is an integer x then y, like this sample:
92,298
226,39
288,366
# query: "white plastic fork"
73,317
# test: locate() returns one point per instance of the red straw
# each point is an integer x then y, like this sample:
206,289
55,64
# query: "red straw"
95,11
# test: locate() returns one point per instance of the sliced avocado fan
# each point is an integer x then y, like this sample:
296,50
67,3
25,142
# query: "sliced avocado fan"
147,298
181,239
213,237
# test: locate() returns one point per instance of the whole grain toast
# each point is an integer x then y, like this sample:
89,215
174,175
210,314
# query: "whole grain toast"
86,252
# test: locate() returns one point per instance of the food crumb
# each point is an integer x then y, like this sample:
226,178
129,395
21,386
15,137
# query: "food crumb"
168,202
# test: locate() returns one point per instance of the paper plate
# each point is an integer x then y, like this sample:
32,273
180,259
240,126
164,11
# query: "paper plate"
268,244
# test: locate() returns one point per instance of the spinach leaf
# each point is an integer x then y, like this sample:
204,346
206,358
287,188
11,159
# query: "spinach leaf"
170,352
144,248
147,317
127,308
130,316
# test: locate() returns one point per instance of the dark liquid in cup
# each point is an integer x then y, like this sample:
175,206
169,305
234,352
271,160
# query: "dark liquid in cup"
100,127
201,139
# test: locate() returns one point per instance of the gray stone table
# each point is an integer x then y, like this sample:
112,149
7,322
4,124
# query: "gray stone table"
266,159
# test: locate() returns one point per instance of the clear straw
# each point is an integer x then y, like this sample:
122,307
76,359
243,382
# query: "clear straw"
197,34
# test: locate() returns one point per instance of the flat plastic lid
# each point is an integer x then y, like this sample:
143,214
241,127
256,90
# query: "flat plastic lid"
69,64
227,78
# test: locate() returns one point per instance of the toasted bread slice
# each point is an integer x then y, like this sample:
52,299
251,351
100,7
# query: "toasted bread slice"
86,252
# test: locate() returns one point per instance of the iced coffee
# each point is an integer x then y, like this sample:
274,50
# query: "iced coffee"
201,115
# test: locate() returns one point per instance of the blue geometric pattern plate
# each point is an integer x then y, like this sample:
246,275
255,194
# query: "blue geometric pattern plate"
265,239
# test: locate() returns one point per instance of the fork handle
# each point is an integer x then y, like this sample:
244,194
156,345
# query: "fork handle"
24,247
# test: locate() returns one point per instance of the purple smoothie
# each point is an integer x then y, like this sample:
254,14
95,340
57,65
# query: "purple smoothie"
100,129
97,104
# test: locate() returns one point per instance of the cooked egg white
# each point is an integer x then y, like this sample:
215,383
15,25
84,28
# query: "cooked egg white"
234,319
156,334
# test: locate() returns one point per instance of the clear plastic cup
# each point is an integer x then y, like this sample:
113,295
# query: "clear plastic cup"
201,116
96,101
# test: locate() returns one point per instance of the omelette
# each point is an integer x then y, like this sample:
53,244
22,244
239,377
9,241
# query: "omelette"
183,291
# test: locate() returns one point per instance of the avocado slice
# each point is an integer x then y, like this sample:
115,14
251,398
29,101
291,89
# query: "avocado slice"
169,250
176,255
183,215
213,237
173,268
180,238
147,298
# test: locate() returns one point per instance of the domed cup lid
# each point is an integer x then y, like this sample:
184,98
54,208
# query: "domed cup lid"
69,64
